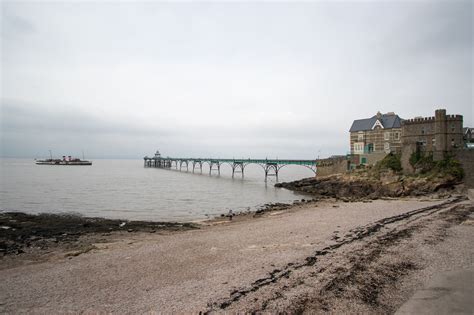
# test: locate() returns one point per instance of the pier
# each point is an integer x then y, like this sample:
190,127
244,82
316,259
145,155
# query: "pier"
270,167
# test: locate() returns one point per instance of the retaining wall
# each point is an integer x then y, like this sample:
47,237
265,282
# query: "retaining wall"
466,157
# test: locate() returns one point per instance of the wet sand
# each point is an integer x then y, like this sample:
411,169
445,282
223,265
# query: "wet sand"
366,257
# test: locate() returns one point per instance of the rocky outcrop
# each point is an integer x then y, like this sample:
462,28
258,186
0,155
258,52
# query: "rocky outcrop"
358,187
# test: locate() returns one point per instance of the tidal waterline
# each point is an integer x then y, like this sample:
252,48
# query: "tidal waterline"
125,189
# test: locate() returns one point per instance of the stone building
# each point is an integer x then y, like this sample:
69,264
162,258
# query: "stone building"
372,138
379,134
438,135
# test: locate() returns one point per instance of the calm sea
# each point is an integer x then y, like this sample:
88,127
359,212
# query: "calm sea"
125,189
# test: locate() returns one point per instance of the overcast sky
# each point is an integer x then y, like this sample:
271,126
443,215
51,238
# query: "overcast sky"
286,80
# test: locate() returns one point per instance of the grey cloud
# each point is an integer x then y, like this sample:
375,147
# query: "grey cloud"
31,117
431,30
26,125
444,27
221,78
15,26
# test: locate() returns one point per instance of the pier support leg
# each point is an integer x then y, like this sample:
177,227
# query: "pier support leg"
271,167
236,166
181,165
211,165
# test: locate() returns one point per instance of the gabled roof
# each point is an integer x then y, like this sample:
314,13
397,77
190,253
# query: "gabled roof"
387,120
467,129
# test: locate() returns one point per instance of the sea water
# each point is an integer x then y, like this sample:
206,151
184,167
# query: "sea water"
124,189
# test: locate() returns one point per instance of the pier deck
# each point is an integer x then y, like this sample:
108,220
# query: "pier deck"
270,167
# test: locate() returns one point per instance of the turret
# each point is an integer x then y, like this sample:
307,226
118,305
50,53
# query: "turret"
440,133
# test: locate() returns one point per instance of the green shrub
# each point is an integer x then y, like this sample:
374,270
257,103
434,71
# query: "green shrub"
425,164
391,161
450,166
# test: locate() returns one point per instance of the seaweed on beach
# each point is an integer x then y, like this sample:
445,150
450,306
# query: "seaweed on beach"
19,230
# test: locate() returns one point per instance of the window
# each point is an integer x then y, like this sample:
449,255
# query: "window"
397,135
386,136
358,147
423,130
452,127
370,147
433,142
386,147
452,143
360,136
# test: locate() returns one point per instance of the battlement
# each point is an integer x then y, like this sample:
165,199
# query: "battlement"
424,120
420,120
454,117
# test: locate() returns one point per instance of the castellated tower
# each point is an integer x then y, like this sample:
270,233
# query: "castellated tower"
440,133
448,135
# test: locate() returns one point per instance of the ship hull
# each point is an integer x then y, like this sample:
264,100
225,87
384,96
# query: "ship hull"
64,163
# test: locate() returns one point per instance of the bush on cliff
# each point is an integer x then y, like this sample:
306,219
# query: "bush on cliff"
449,167
421,162
390,162
425,165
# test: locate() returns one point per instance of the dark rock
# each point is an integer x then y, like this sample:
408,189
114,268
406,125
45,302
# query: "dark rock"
350,188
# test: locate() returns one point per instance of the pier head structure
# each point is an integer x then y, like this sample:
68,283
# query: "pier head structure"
270,167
